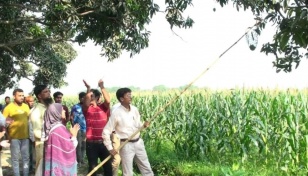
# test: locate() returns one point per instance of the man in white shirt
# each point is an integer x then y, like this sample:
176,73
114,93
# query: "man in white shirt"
125,120
36,118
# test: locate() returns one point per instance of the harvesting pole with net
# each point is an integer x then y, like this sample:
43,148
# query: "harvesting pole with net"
175,98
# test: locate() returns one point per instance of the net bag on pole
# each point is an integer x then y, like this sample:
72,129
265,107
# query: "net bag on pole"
252,39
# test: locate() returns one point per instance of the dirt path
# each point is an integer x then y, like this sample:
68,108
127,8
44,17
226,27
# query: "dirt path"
6,162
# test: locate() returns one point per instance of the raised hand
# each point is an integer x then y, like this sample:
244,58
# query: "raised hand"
101,83
74,130
86,84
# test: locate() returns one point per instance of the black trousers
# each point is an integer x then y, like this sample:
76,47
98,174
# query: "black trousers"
95,150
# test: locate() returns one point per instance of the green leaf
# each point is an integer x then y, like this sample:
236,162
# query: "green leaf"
304,14
284,40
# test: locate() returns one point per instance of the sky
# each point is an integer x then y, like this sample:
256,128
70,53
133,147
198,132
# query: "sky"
175,58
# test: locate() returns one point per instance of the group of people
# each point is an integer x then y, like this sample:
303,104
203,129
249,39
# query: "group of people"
96,131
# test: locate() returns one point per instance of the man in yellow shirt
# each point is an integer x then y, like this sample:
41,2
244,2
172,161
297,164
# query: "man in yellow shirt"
18,131
42,94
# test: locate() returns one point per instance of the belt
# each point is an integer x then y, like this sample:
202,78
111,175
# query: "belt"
95,141
133,140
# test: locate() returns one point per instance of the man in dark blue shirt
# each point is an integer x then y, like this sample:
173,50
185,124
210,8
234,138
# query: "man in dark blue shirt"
78,117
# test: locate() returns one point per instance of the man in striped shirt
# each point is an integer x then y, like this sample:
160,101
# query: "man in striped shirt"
96,119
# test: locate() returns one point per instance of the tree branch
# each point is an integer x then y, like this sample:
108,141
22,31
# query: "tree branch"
86,13
18,42
28,78
22,19
10,50
178,35
29,40
20,6
281,14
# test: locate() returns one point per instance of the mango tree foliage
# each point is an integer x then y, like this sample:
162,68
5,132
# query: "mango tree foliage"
36,36
290,17
27,50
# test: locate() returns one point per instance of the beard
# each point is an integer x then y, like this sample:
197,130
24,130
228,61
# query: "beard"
48,101
19,102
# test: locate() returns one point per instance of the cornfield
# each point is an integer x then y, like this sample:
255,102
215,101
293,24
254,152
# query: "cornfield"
259,126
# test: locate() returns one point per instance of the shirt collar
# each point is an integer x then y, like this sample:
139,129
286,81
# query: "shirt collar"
125,109
41,104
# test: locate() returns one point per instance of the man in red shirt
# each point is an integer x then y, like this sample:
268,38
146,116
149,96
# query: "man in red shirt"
96,119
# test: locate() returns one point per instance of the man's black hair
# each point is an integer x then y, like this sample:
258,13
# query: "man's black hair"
121,92
38,89
17,90
81,95
56,94
96,93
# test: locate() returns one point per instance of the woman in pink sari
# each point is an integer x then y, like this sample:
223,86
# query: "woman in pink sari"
60,144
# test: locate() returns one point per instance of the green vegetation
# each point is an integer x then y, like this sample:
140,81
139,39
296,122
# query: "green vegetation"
37,35
233,132
289,44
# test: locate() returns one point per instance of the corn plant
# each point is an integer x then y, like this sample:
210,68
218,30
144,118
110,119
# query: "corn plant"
267,127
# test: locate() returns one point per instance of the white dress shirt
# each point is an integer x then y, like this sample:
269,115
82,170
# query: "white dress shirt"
125,122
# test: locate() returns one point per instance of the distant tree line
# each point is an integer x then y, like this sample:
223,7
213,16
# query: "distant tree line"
155,88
